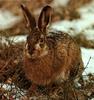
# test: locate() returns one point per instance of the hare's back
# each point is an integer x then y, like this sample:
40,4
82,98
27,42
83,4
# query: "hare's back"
67,52
63,41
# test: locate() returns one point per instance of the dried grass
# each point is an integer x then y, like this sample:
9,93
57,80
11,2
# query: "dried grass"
83,41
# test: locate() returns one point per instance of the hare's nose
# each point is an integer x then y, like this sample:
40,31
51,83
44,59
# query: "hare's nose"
37,47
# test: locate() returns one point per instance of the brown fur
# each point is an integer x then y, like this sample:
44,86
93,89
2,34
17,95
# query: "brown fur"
59,57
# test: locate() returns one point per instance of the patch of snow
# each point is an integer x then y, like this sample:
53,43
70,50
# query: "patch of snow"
87,8
15,91
86,54
89,33
77,25
15,39
7,19
20,38
54,4
59,3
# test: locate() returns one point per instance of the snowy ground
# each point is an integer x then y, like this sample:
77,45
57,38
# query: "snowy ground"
7,19
88,59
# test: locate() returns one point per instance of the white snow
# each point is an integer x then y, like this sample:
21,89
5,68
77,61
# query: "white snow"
59,3
15,39
20,38
88,56
7,19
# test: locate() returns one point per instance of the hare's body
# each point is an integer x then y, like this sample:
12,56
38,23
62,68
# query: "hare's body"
49,56
61,60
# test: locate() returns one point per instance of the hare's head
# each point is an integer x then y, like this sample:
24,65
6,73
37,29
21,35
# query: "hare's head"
36,40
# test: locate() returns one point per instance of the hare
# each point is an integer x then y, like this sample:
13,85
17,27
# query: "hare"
49,56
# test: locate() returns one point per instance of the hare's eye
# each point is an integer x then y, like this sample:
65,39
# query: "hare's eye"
41,43
41,40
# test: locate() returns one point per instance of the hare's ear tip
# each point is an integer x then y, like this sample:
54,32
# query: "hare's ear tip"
22,6
47,6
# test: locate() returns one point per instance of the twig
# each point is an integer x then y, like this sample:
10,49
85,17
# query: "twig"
6,64
87,63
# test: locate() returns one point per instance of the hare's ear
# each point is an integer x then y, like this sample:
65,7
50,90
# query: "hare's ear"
44,18
30,20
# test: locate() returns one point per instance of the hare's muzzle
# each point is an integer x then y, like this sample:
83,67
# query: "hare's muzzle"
40,52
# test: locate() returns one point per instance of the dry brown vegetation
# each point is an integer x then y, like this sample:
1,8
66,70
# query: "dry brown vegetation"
83,41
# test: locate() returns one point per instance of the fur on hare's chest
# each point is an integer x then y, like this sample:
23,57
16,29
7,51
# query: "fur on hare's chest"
42,71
